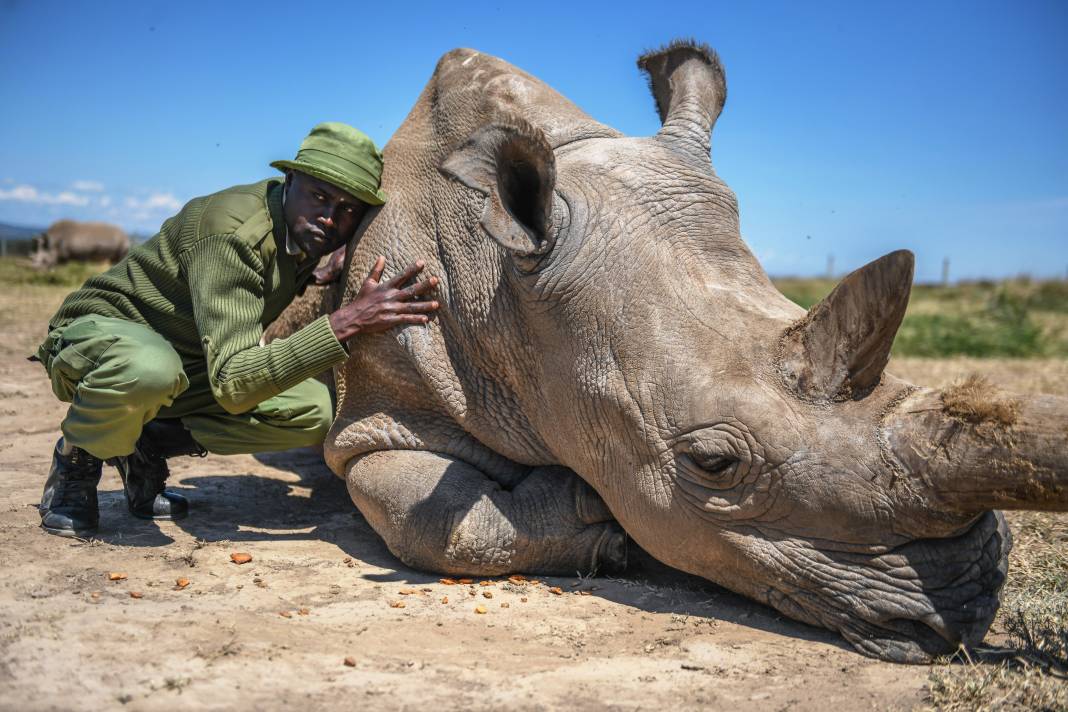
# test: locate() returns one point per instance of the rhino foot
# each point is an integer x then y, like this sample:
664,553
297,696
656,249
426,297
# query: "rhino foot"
441,514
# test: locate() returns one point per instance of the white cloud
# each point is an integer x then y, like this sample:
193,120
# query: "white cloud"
154,203
140,209
24,193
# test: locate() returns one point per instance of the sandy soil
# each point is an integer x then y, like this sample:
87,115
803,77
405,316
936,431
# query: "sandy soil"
275,633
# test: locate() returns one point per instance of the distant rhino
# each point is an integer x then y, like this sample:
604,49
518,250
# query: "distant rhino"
72,241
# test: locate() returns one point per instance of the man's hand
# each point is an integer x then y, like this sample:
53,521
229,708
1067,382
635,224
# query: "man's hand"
330,270
382,305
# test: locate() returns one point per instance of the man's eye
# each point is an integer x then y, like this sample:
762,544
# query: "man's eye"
349,209
319,197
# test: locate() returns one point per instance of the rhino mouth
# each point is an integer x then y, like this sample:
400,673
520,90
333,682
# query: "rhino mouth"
920,600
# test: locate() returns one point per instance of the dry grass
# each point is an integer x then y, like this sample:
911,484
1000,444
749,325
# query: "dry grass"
980,687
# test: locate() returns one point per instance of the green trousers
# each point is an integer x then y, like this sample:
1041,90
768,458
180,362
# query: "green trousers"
117,375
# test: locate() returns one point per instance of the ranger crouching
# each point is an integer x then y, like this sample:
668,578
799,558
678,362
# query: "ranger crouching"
160,356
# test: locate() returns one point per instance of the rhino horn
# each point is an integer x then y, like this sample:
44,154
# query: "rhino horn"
690,88
512,164
972,447
840,348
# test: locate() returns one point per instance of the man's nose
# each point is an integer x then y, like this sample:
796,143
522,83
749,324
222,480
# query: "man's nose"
326,220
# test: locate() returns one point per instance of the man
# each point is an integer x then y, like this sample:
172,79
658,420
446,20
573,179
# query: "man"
160,356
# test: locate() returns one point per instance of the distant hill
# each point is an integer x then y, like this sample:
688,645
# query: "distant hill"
18,232
15,240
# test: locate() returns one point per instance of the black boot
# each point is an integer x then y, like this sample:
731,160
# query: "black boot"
144,471
68,504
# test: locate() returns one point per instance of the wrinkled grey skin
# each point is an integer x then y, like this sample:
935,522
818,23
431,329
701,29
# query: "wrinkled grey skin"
72,241
610,354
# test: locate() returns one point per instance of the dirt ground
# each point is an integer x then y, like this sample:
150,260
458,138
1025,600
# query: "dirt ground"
322,592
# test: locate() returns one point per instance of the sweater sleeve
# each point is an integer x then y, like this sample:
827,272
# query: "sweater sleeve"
225,278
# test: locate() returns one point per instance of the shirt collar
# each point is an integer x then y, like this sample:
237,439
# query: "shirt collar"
292,248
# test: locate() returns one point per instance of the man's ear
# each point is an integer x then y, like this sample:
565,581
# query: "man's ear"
512,164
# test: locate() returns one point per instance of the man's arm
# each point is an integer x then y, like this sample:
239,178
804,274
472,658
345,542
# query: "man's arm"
226,285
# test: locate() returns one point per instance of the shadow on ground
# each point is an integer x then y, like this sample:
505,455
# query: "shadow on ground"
317,507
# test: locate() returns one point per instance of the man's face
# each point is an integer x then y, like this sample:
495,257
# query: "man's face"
321,217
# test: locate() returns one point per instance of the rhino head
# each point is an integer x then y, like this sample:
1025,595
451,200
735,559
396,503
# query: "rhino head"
42,256
602,312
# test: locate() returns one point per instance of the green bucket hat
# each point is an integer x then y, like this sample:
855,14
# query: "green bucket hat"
342,156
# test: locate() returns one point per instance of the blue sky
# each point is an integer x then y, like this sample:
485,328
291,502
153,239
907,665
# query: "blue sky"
851,128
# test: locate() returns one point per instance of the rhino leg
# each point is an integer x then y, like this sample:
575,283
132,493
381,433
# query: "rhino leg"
440,514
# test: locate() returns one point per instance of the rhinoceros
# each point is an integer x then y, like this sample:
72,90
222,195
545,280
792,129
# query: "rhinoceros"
610,359
73,241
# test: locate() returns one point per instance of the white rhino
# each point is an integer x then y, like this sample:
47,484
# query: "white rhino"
610,357
73,241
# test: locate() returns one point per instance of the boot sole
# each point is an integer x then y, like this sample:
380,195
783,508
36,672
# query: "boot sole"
159,517
70,533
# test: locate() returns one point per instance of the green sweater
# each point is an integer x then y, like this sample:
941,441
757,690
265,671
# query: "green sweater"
209,282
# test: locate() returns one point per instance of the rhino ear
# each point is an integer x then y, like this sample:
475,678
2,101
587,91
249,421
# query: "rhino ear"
690,88
512,164
839,350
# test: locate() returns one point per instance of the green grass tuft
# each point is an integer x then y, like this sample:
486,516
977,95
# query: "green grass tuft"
15,272
1016,318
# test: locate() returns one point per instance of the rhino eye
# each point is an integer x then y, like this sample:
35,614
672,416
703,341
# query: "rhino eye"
713,464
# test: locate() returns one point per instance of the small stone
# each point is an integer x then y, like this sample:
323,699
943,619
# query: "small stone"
136,594
303,611
556,591
464,581
447,581
347,560
481,610
523,599
350,661
115,576
486,583
444,599
285,614
181,583
487,594
240,557
505,604
397,604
